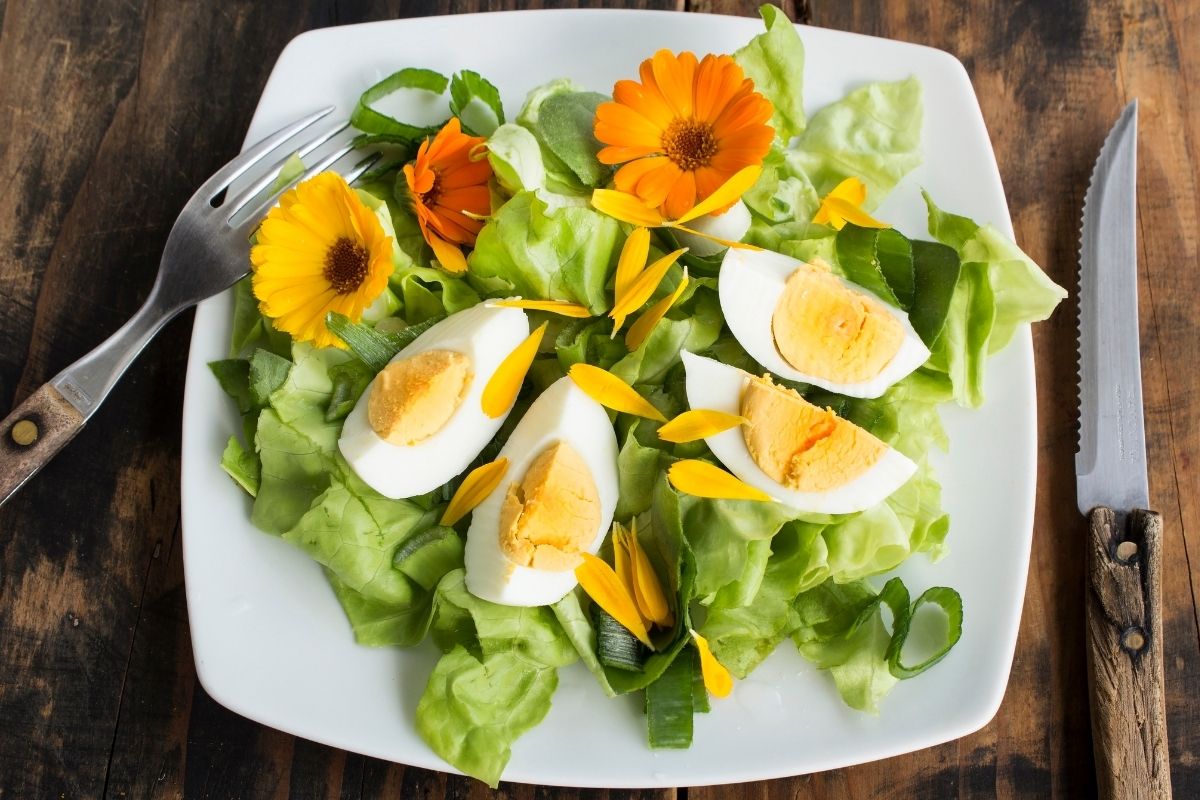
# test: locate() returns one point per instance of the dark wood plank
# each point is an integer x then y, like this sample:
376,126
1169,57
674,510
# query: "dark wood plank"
122,108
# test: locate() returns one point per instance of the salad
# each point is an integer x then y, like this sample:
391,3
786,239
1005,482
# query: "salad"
635,379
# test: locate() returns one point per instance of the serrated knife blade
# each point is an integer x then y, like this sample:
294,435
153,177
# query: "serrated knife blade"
1123,602
1110,466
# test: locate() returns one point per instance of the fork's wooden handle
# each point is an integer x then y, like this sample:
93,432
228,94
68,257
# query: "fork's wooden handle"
1125,670
32,434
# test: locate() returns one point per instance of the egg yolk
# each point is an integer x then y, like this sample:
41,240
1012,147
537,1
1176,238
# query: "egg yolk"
825,329
413,398
553,514
800,445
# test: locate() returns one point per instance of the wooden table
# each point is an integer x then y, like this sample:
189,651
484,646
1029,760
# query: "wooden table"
112,112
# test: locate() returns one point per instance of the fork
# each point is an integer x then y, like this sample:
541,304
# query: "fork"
206,252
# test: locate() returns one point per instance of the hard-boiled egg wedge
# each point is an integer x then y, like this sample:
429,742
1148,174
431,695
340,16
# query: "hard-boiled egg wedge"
556,501
804,323
420,421
800,454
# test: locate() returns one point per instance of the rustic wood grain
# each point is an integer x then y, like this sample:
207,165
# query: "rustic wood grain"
1124,654
120,109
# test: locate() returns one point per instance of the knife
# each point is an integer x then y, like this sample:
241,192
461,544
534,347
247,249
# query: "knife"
1124,557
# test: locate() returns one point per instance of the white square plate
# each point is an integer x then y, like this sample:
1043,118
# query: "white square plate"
270,639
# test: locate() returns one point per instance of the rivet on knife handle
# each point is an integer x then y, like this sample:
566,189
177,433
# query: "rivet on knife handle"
1125,671
32,434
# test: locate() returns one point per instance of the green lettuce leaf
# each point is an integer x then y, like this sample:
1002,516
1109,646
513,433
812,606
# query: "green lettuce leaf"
579,629
243,467
534,251
476,102
516,159
999,289
775,62
560,178
474,707
377,623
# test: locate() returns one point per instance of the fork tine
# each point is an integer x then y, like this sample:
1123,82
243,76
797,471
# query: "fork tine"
273,173
236,168
243,201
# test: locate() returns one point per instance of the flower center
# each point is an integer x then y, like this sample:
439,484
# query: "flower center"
430,198
346,265
690,143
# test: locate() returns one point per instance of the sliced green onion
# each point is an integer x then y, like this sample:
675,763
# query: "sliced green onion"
375,348
615,646
951,603
669,705
429,555
700,703
379,126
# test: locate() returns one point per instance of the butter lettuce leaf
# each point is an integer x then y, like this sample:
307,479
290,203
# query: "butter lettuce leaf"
775,62
539,252
474,707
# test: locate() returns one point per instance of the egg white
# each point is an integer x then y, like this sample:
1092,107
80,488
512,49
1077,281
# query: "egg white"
731,226
484,335
561,413
750,284
713,385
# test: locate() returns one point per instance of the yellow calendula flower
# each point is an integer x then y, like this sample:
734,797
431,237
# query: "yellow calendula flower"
320,250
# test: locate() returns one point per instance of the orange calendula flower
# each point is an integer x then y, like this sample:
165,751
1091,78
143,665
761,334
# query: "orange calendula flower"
320,250
683,130
448,186
844,204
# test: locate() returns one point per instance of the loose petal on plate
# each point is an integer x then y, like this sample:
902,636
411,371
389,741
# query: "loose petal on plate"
504,385
699,423
560,307
604,587
634,253
717,679
718,239
844,204
611,392
640,330
726,194
474,489
626,208
642,288
839,208
702,479
647,589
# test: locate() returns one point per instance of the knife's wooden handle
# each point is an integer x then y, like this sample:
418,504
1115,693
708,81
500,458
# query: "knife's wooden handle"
32,434
1125,672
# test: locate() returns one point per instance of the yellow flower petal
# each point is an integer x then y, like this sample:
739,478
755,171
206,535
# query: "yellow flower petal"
702,479
604,587
699,423
647,590
718,239
852,190
621,560
611,392
626,208
728,192
717,679
474,489
641,329
448,255
642,288
560,307
634,253
504,385
850,213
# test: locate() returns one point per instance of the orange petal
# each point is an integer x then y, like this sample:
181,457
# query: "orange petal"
702,479
560,307
626,208
502,388
611,392
717,679
604,587
699,423
474,489
640,330
450,257
642,288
